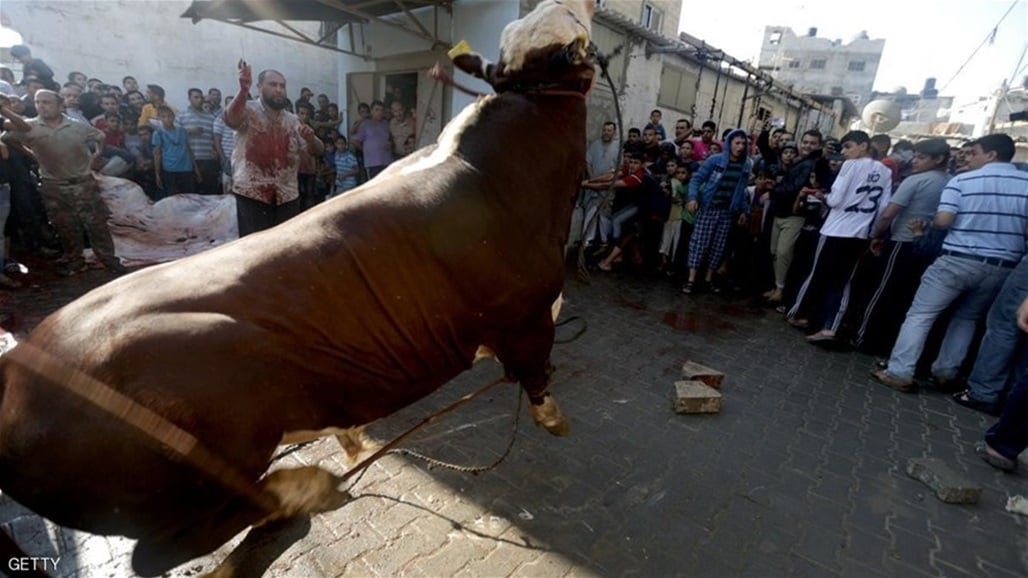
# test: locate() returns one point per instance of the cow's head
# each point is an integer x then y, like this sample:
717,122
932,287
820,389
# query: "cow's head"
549,48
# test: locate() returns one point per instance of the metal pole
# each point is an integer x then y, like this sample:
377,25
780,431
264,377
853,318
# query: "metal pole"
745,95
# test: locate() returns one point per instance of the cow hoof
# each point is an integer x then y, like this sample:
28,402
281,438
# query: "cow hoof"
548,415
356,445
558,428
307,490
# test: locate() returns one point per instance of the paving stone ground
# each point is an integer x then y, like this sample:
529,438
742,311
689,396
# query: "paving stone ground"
802,474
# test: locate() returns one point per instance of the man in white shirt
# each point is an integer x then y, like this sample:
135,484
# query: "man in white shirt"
858,196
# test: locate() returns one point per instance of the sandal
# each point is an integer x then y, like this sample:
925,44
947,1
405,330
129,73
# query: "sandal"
798,323
994,458
689,288
963,398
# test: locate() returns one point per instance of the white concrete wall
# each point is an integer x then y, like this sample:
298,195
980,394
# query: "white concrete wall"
480,23
109,39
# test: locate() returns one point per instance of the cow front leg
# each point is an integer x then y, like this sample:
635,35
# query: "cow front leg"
301,491
526,359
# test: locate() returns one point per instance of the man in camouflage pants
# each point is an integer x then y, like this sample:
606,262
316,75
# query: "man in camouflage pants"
66,151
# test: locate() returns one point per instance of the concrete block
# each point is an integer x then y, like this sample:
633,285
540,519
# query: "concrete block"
948,485
696,397
692,371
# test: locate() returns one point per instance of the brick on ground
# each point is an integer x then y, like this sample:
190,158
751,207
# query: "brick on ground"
692,371
948,485
696,397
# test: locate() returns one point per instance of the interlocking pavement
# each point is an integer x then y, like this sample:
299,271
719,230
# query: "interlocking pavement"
802,474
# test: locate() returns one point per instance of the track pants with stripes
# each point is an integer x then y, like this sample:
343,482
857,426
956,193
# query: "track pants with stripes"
900,269
824,295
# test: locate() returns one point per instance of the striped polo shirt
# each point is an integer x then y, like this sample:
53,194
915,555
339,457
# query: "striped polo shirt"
202,144
991,207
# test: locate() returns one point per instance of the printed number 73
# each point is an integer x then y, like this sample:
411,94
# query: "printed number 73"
869,196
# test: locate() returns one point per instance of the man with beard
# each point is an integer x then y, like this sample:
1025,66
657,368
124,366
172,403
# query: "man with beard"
266,157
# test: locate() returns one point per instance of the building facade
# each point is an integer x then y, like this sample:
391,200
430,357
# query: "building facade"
821,66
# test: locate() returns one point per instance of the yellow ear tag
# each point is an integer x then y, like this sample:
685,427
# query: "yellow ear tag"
460,48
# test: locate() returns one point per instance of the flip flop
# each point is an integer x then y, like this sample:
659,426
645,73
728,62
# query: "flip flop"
994,459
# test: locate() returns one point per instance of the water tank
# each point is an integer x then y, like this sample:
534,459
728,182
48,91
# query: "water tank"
880,115
929,90
812,31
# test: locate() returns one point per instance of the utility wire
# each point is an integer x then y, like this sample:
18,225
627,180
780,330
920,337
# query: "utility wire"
990,36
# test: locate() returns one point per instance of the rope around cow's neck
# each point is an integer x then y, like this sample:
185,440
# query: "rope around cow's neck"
604,62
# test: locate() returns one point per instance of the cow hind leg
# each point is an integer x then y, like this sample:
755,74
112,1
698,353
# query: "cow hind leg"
155,555
299,491
526,358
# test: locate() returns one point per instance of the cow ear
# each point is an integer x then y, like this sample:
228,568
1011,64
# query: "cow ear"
475,65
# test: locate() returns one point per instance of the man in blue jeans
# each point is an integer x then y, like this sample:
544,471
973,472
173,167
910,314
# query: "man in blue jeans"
986,212
997,357
1009,437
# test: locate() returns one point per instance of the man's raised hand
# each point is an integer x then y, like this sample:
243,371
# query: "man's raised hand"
245,76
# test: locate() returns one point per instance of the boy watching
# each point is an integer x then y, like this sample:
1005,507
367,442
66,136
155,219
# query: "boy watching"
173,160
346,168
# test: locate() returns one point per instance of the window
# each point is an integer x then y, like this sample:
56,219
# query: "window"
856,66
775,38
794,64
818,64
836,91
601,3
677,89
651,18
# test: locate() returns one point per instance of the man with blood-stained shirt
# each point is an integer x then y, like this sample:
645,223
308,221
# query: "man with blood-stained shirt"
267,152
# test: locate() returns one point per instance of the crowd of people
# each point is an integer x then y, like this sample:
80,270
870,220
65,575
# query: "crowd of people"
124,130
860,242
909,251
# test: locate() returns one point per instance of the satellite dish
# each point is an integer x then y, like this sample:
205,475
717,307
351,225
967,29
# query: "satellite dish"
881,115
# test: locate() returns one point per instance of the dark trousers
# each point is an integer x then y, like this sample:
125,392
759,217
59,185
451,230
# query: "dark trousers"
210,177
177,183
1009,436
256,216
823,297
308,187
898,273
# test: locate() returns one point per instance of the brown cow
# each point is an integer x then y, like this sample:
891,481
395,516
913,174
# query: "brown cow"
334,319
